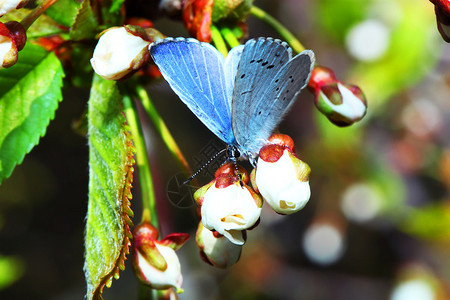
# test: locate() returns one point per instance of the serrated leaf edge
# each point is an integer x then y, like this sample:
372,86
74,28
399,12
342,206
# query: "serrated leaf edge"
127,214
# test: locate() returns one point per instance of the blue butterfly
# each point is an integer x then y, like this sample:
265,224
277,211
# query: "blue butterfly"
240,98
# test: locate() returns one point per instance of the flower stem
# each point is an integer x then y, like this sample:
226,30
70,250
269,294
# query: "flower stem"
218,40
36,13
162,129
149,213
283,31
229,36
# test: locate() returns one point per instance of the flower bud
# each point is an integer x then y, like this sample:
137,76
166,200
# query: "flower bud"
12,40
442,11
215,249
9,5
155,262
281,177
197,18
229,205
342,104
120,51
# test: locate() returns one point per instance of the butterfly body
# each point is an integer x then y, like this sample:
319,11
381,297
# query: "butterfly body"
240,98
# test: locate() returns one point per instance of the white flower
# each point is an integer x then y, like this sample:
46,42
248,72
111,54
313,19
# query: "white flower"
155,262
12,39
6,48
352,107
120,51
283,182
230,209
218,251
156,278
9,5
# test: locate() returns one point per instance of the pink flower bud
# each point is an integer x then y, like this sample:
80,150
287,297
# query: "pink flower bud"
12,40
155,262
281,178
121,51
226,206
215,249
442,11
342,104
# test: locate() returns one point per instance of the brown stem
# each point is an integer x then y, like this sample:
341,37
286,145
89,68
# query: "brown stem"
36,13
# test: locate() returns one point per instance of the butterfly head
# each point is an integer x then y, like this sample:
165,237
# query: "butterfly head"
232,153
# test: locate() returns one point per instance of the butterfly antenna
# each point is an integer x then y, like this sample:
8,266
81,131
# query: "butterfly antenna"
204,166
238,174
232,155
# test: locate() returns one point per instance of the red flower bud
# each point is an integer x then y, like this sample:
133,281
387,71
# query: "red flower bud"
282,140
197,18
230,169
321,76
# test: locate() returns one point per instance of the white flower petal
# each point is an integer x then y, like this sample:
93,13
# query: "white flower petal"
5,46
115,52
220,251
158,279
278,184
8,5
228,210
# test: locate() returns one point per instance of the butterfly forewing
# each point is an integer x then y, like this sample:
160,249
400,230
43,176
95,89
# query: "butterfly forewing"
255,118
196,73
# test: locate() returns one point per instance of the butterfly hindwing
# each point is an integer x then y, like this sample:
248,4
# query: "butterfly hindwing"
196,72
259,103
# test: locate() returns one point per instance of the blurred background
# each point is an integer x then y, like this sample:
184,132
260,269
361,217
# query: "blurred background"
377,225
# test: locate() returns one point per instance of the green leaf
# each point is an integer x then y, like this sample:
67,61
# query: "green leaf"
116,6
29,95
64,11
85,23
111,13
110,178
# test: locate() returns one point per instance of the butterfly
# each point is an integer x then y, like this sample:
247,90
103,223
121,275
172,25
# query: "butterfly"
240,98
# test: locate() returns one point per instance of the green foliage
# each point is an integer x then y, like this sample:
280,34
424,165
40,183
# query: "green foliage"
431,222
408,58
44,26
111,13
110,177
116,6
231,9
85,23
64,11
11,269
29,96
336,17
